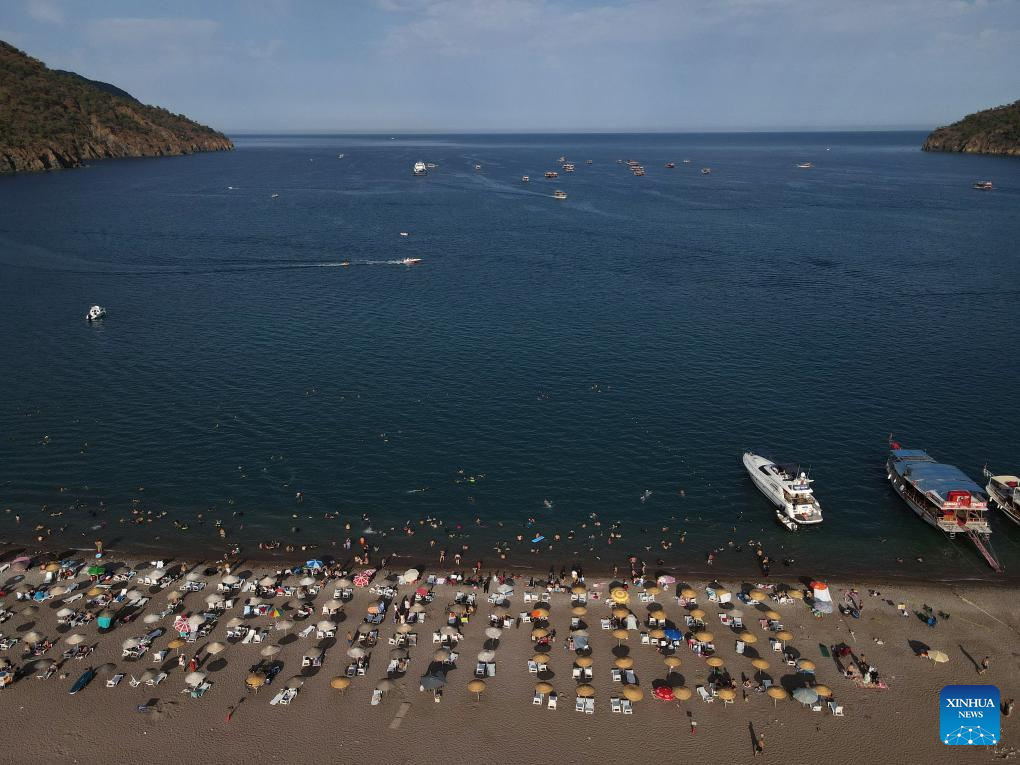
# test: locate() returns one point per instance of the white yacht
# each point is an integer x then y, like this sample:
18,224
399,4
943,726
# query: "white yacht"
787,488
1004,491
96,312
419,169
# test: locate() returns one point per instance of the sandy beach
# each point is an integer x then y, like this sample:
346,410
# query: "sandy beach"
230,722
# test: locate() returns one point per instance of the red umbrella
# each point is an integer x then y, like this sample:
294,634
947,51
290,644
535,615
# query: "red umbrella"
422,592
664,693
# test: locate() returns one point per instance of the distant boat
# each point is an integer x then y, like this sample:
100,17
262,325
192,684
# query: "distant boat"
805,165
431,165
525,179
706,171
563,158
95,313
339,156
82,681
687,162
568,167
1005,493
273,196
671,165
559,194
983,185
587,162
410,261
551,174
419,169
404,233
477,168
345,263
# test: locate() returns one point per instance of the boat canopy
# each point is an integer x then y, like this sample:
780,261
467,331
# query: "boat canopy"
938,478
911,454
1007,480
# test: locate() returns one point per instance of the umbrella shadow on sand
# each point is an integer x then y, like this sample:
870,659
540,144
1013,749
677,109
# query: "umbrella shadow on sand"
26,626
326,643
620,651
288,639
671,680
918,647
217,665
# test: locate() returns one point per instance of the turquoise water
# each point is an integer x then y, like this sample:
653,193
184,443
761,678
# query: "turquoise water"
638,336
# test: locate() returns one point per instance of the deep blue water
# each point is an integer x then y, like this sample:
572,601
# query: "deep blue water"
637,336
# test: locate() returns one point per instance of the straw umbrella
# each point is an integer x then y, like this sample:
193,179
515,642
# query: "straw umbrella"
356,652
538,633
939,657
584,661
784,636
585,691
195,678
727,694
75,639
633,693
697,613
624,662
578,611
760,665
385,685
443,655
543,688
52,567
476,687
58,591
176,644
621,613
403,629
806,664
748,637
620,636
757,595
658,614
770,614
151,618
688,592
579,589
295,682
681,693
493,633
340,683
796,594
704,636
653,590
486,656
256,680
32,637
540,658
657,634
823,690
714,661
672,662
777,694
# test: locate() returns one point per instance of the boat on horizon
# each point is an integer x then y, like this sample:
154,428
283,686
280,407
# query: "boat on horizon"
410,261
95,313
525,179
706,171
419,169
671,165
1004,491
551,174
983,185
478,168
943,496
805,165
568,167
559,194
787,487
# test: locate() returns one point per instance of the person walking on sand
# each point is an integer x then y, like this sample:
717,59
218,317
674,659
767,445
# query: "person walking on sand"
985,664
759,746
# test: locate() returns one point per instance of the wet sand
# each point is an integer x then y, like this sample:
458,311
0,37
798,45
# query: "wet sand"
901,722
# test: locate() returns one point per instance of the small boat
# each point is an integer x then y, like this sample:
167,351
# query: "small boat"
431,165
339,156
671,165
525,179
943,496
559,194
568,167
706,171
419,169
805,165
273,196
410,261
687,162
477,168
95,313
82,681
404,233
551,174
983,185
1004,491
787,487
563,158
587,162
345,263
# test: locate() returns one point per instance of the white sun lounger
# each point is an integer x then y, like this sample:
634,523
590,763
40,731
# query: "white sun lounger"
705,695
614,705
114,681
552,701
628,707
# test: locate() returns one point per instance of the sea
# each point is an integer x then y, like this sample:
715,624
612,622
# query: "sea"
587,370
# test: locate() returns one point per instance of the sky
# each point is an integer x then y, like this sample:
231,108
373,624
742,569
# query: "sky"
535,65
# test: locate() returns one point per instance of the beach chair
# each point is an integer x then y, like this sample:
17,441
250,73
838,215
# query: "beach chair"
376,697
816,707
628,707
740,646
114,681
199,691
645,639
589,706
490,669
614,705
738,623
776,645
551,704
278,697
135,682
436,637
766,683
480,669
837,709
630,676
576,673
705,695
538,700
724,620
575,623
606,624
617,675
157,679
579,705
533,667
159,656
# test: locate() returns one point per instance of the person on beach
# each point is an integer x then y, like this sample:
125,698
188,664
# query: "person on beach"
985,664
1008,711
759,746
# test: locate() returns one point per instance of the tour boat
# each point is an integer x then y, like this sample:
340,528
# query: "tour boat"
943,496
96,312
587,162
706,171
410,261
805,165
568,167
687,162
551,174
983,185
559,194
1004,491
787,487
419,169
671,165
525,179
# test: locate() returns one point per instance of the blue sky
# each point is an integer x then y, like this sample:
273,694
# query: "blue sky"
389,65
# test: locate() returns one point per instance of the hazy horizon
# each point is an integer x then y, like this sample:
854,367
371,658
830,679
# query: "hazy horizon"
540,66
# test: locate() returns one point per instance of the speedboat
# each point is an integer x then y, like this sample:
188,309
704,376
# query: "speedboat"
687,162
95,313
559,194
568,167
943,496
563,158
787,487
404,233
805,165
339,156
525,179
706,171
1004,491
551,174
419,169
671,165
273,196
477,168
345,263
983,185
410,261
431,165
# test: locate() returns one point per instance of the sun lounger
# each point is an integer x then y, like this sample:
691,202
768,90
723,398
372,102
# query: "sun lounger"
607,624
199,691
538,700
278,697
630,676
617,675
589,706
576,674
376,697
135,682
740,646
552,701
579,705
114,681
644,638
614,705
490,669
532,667
816,707
705,695
157,679
627,706
480,669
837,710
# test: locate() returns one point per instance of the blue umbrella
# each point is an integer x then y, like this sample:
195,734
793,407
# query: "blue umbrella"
673,634
313,564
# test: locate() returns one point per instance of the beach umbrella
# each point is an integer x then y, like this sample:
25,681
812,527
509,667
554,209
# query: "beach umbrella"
579,589
235,621
212,599
229,579
275,613
175,644
195,621
540,613
324,625
52,567
270,650
770,614
657,613
540,658
411,575
621,613
806,695
578,611
653,590
584,661
585,691
256,680
476,687
63,613
443,655
633,693
757,595
385,685
344,582
539,632
687,592
658,634
624,662
32,637
283,625
796,594
193,576
486,656
418,608
126,645
195,678
748,637
620,634
939,657
727,694
680,693
777,694
823,691
151,618
759,664
58,591
403,629
215,648
433,681
504,588
543,687
333,604
267,581
806,664
697,613
453,608
399,653
579,633
356,652
722,592
96,570
664,693
704,636
295,682
714,661
672,662
493,633
620,596
450,631
173,597
340,683
94,592
784,635
365,628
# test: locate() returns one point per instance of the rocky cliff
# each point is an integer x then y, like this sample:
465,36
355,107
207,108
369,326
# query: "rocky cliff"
993,131
51,119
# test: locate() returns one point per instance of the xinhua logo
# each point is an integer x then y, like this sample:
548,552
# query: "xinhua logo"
969,715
